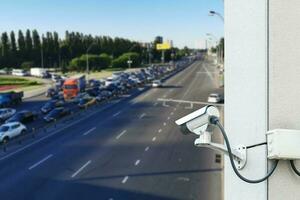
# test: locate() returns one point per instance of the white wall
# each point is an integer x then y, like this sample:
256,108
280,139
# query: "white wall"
284,90
246,92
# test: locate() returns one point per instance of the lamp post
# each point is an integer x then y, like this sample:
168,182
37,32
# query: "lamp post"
217,46
213,13
87,57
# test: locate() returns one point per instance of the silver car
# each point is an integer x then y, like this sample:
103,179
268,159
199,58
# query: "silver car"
6,113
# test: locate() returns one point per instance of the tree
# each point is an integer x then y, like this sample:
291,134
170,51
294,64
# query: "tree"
21,45
36,48
122,61
28,43
5,50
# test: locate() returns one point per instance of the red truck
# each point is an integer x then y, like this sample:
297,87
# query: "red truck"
73,86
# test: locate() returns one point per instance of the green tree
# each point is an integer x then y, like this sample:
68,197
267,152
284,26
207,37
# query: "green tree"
122,61
21,44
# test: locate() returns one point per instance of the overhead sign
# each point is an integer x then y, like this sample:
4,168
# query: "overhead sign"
163,46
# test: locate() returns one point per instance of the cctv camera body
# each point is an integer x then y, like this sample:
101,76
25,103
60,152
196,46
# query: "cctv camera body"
198,122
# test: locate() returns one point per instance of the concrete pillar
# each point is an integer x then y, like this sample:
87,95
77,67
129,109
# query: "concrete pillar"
262,90
246,93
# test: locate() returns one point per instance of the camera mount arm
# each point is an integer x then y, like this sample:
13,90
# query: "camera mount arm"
239,153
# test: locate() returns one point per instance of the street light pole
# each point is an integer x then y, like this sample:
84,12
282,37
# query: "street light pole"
217,46
213,13
87,70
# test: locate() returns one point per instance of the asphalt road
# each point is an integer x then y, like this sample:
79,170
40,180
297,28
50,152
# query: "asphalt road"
130,150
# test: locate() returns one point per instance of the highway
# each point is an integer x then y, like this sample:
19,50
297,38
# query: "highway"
130,149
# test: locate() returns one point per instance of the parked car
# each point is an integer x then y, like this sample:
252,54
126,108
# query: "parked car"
24,116
11,130
50,105
86,102
57,113
157,83
6,113
215,98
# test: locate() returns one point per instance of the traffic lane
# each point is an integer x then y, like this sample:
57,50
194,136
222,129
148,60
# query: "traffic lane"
65,163
109,168
78,155
175,84
183,163
208,173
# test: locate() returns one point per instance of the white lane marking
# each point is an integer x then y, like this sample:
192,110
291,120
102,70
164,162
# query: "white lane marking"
116,114
165,124
40,162
171,90
125,179
147,148
175,109
153,139
81,168
142,115
137,162
169,118
89,131
155,104
172,113
120,135
159,130
57,131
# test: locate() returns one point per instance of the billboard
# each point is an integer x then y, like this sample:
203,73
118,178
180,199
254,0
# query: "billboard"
163,46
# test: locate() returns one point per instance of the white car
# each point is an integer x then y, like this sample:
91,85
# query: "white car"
6,113
214,98
156,83
11,130
19,72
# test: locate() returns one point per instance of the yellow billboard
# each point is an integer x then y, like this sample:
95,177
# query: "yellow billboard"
163,46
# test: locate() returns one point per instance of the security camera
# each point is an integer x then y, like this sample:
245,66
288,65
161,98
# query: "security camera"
201,122
197,122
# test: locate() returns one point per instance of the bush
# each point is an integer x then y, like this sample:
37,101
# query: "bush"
96,62
121,61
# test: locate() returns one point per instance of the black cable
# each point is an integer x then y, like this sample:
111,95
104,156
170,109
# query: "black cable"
215,120
294,167
256,145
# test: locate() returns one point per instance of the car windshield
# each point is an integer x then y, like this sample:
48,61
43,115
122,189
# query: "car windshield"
49,104
4,128
70,87
54,112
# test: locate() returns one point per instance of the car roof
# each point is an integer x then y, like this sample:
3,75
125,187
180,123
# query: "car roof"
10,123
24,111
3,109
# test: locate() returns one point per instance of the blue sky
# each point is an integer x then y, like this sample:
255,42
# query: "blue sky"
184,21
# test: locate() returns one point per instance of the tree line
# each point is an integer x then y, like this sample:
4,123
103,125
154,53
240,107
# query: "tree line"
31,49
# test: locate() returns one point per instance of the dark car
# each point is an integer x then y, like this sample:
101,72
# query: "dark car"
24,116
57,113
93,92
50,105
113,89
94,83
51,92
